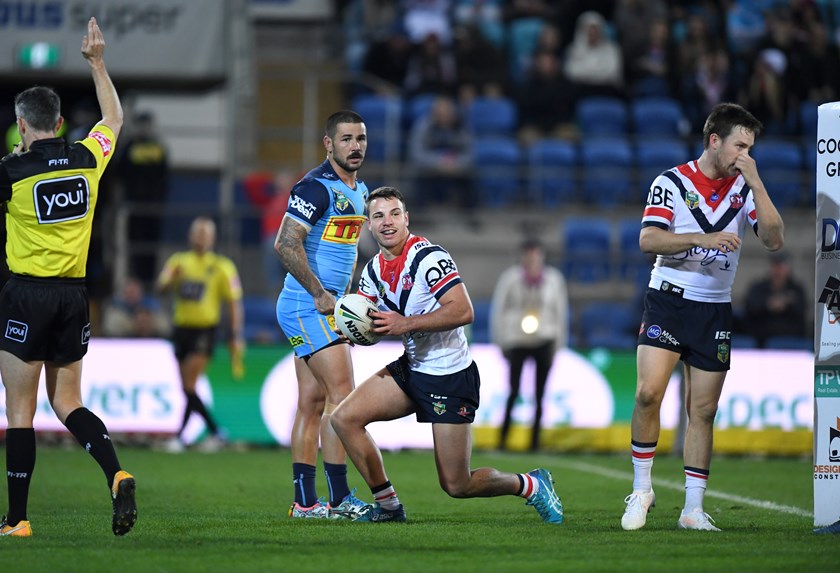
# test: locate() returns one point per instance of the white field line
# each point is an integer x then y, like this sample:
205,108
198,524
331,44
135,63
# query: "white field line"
676,486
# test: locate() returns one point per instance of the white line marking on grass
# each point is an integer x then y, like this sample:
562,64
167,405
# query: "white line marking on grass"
668,484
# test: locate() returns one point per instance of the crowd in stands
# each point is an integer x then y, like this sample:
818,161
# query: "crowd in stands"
532,67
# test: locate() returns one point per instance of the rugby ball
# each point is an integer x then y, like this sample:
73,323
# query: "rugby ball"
352,316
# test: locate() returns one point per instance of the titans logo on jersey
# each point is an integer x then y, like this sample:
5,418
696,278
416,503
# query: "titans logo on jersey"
683,200
412,284
334,214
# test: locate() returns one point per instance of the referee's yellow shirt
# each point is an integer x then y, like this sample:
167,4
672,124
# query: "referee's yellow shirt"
202,283
50,193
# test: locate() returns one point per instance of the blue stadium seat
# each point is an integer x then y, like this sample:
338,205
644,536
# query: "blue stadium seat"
602,116
653,156
481,321
553,173
657,116
780,163
608,324
492,116
383,120
607,171
789,343
586,249
634,264
260,320
808,116
496,162
417,107
744,341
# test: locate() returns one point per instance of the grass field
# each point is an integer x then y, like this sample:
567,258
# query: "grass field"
228,512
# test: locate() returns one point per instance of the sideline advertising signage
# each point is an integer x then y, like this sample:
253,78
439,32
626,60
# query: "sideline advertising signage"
827,320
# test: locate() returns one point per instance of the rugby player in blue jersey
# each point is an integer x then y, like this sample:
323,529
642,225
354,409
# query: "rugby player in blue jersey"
317,243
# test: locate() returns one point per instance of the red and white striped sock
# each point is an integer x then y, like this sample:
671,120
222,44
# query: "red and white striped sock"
642,464
695,487
530,486
385,496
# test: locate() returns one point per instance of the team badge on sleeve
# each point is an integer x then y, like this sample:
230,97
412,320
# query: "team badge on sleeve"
104,142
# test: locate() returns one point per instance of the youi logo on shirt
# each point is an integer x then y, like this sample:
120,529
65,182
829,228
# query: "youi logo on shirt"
62,199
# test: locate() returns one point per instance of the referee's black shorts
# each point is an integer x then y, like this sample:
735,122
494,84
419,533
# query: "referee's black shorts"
186,341
700,332
45,318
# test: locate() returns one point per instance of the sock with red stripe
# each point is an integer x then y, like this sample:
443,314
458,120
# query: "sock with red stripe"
528,486
643,453
695,487
385,496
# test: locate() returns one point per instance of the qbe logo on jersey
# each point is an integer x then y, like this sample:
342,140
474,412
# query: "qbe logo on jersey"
62,199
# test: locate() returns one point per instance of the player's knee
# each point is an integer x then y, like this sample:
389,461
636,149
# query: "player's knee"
704,414
646,398
340,420
455,488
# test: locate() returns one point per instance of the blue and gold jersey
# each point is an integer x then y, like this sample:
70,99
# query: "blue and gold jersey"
334,214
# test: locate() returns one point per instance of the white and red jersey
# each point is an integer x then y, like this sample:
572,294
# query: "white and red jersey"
683,200
412,284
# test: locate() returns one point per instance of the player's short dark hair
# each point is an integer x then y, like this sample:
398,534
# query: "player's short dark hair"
39,106
343,116
727,116
386,193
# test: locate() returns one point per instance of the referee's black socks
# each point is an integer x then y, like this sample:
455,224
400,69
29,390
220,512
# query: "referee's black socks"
93,436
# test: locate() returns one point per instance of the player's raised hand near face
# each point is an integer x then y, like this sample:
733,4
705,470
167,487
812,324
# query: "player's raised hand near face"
746,165
93,44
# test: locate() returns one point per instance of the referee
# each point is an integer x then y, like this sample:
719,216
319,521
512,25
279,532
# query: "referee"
49,190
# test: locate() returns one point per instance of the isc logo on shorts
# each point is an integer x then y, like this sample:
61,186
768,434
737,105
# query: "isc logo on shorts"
16,330
62,199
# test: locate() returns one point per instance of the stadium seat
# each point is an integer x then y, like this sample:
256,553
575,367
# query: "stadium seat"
808,115
417,107
789,343
586,249
780,164
553,173
492,116
744,341
383,118
657,116
609,325
496,162
481,321
653,156
607,171
602,116
634,265
260,320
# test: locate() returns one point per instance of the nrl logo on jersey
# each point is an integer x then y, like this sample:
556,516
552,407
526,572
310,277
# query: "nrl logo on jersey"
340,199
692,200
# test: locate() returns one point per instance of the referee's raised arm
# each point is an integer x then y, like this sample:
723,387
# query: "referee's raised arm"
93,49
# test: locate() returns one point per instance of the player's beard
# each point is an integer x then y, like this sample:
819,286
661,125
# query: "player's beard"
345,165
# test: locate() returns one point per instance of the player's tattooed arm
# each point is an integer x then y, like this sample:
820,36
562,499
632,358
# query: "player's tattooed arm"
289,246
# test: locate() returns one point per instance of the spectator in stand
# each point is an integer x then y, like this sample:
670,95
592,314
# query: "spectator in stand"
143,170
480,64
386,60
766,92
546,101
775,304
819,81
593,61
424,18
710,84
697,41
650,71
133,314
634,20
440,148
431,68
